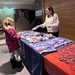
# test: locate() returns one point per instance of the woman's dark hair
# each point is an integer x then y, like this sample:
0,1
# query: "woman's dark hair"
51,9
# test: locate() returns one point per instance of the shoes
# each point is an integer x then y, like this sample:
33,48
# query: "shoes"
13,63
16,64
20,65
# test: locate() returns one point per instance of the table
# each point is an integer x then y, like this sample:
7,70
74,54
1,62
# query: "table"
31,59
56,67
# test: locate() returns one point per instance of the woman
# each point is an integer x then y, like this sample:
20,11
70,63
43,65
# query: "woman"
51,22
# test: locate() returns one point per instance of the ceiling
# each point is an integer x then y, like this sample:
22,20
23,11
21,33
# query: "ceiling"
17,3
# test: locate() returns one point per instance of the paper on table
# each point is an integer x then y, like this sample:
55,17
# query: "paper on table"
36,27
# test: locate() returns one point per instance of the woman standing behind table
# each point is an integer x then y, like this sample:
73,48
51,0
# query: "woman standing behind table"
51,22
12,42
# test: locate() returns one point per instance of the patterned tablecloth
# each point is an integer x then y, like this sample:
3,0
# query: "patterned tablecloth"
44,43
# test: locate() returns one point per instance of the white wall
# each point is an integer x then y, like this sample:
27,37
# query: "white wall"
9,12
17,6
6,12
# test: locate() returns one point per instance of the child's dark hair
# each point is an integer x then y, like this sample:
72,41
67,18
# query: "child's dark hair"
51,9
7,23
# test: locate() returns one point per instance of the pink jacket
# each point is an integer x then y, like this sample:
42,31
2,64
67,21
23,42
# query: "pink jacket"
12,39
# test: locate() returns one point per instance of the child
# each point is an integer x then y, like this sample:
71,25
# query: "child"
12,41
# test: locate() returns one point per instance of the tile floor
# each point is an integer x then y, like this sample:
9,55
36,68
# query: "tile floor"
2,41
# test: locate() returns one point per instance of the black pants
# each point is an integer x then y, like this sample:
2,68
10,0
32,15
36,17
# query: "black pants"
54,33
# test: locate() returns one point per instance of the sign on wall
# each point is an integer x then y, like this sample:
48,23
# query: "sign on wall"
38,13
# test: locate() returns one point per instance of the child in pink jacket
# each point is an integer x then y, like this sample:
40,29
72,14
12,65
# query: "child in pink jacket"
12,42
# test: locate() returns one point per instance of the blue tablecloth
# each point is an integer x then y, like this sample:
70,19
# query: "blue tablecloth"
31,59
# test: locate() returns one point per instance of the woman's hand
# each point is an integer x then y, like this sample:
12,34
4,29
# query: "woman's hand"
49,26
33,28
41,26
